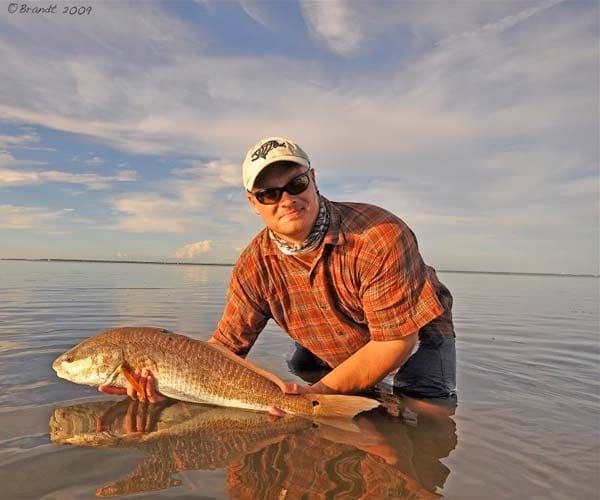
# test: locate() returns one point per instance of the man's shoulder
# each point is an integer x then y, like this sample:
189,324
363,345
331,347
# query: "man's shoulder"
255,250
363,219
357,208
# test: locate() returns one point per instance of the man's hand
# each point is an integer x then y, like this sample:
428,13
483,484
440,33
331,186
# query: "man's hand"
295,388
131,417
146,381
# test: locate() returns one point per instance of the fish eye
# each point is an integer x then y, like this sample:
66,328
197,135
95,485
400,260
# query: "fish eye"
69,359
315,402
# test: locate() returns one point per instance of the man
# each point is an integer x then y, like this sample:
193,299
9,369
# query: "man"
344,280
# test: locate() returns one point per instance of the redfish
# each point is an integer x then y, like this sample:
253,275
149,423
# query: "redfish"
195,371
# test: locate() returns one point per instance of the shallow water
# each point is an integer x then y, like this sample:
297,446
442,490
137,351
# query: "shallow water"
526,425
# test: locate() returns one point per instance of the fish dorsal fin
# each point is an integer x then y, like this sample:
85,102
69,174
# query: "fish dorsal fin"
260,371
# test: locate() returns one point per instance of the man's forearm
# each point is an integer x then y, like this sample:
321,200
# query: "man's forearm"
220,345
367,366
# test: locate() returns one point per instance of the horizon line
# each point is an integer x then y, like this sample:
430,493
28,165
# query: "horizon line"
179,263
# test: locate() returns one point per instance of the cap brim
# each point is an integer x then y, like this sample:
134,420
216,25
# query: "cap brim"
296,159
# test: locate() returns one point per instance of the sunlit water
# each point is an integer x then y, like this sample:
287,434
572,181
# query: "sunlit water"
527,423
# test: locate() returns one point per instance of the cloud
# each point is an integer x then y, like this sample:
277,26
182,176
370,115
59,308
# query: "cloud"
219,105
18,139
333,23
194,192
28,217
503,24
148,213
95,161
193,249
349,28
13,177
258,11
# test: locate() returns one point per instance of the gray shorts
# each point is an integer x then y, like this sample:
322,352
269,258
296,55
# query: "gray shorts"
429,373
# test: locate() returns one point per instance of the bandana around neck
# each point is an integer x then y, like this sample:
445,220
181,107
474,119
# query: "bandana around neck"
312,241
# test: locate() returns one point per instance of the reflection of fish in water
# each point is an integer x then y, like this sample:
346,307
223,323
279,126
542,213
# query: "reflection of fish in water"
194,371
186,437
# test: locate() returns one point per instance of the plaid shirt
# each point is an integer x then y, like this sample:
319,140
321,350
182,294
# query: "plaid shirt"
368,282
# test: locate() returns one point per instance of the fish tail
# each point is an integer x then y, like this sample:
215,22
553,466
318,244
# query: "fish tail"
340,405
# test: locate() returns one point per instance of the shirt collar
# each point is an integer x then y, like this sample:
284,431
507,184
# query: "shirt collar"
333,236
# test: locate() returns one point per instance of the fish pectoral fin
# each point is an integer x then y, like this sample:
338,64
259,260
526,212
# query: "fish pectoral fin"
131,379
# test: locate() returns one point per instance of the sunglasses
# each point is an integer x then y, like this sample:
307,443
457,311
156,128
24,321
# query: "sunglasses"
270,196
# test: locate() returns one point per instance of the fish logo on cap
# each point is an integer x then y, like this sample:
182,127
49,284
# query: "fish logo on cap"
264,150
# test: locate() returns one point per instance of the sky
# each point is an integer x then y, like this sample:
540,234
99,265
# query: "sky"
123,129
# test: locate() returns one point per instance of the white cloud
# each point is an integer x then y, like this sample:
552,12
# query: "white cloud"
333,23
27,217
498,26
193,249
198,191
258,11
220,105
17,139
347,27
95,161
13,177
142,212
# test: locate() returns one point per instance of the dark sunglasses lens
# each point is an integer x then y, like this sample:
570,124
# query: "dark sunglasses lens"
298,184
269,196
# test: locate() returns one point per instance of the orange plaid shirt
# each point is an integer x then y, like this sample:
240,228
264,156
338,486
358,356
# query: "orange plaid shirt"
368,282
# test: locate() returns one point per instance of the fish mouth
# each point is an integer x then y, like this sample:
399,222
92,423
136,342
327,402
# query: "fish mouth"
57,365
61,366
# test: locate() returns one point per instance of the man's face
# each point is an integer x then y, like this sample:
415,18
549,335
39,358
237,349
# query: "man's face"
293,216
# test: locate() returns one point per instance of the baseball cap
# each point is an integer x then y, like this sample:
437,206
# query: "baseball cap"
268,151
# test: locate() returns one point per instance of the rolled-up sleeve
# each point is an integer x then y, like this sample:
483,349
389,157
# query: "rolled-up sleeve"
246,312
397,296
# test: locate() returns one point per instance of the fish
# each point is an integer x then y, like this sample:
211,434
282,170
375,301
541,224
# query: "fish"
195,371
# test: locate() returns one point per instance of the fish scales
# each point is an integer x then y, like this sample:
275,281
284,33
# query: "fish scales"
206,375
192,370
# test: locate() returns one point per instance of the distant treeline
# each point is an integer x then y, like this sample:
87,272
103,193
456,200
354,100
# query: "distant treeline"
177,263
106,261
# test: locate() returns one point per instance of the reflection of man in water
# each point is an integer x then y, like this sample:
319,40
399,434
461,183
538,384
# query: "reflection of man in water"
404,464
